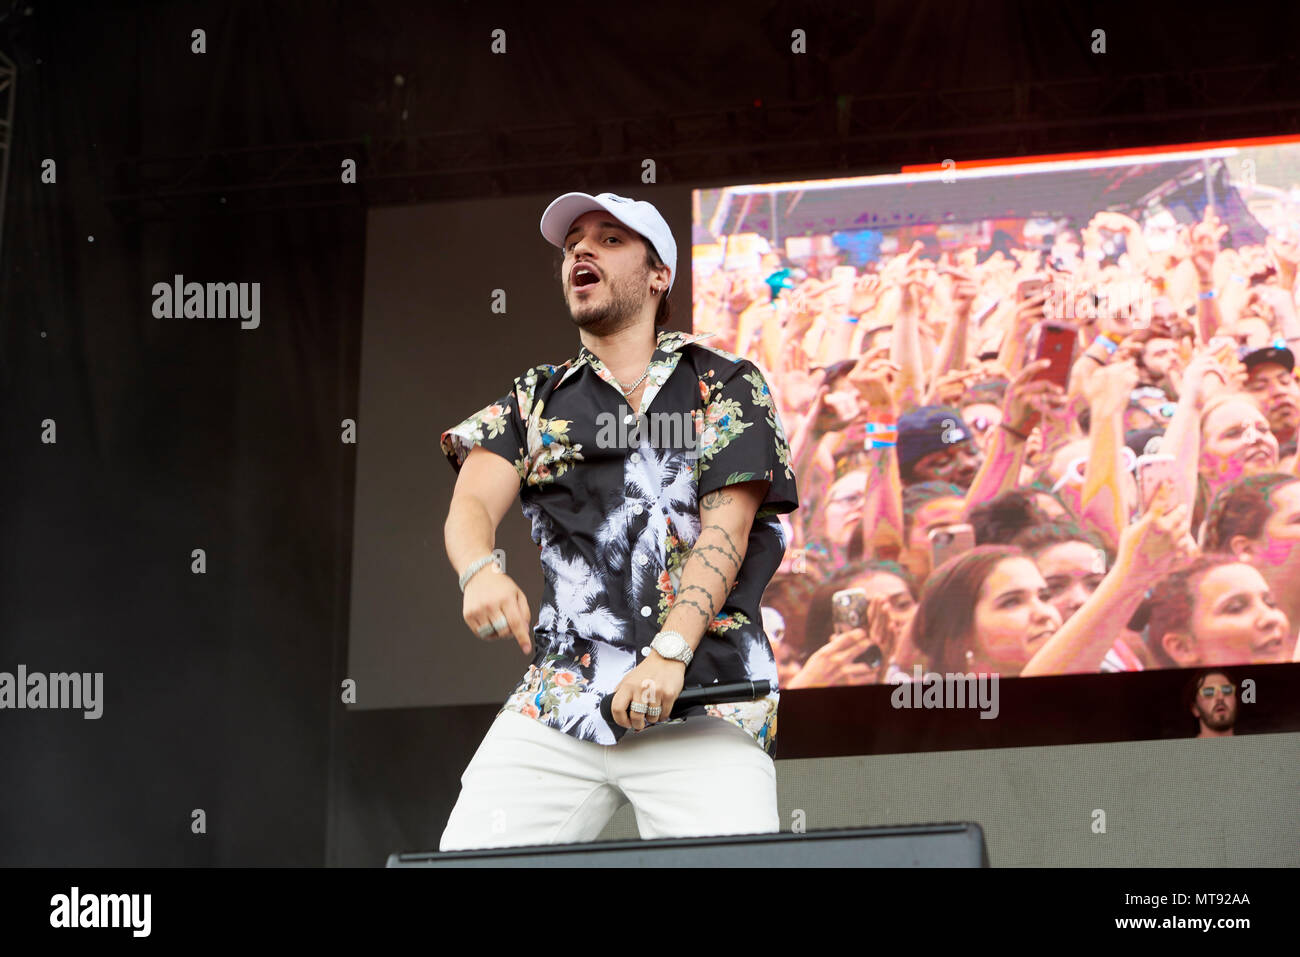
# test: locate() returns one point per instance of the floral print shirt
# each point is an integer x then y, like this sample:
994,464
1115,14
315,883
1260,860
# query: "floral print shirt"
613,497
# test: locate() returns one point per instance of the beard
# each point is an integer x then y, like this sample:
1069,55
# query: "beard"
1218,722
622,301
1283,421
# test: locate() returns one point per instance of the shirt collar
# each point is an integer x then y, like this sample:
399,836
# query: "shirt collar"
666,342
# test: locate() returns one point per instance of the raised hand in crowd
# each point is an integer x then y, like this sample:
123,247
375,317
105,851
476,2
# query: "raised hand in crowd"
1213,371
1109,491
1029,398
1026,401
1025,315
1284,254
957,290
867,289
1151,546
835,663
1107,390
1204,239
1147,550
948,388
876,378
1134,241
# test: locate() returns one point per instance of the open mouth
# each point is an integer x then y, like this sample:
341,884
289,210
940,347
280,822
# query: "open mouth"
583,276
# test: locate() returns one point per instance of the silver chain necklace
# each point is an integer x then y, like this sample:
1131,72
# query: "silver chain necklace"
632,388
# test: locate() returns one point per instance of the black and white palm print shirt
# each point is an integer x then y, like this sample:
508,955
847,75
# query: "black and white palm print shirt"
613,498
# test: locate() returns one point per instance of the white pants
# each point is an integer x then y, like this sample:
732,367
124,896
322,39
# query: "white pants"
529,784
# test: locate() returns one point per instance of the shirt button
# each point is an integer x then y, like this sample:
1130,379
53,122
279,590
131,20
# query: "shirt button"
643,560
635,457
645,650
645,611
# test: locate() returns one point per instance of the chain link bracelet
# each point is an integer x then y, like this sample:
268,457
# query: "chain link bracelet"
475,568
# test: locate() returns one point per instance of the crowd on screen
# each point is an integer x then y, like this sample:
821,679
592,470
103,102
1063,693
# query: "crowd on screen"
967,510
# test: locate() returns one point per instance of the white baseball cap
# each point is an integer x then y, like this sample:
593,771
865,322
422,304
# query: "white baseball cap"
637,215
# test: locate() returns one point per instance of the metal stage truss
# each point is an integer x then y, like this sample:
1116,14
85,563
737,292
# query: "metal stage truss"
859,133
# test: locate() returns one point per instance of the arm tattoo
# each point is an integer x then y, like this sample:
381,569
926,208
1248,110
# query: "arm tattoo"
735,553
708,618
716,499
707,595
717,571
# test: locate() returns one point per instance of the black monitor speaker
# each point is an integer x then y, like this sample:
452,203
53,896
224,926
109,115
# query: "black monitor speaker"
914,845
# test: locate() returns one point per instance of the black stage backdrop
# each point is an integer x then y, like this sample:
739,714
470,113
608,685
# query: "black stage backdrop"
222,689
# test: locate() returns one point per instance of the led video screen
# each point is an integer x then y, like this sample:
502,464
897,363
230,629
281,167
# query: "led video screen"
1042,412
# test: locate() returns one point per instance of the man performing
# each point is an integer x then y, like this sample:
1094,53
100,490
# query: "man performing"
652,469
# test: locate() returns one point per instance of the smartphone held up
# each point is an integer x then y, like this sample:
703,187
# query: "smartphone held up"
849,612
949,541
1056,342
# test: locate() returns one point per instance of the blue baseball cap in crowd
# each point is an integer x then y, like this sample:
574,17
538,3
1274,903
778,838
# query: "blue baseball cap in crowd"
931,428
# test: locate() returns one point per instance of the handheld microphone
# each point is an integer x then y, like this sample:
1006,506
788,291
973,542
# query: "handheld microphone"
703,694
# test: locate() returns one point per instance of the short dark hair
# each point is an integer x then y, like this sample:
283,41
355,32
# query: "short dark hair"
1242,508
1040,487
1042,537
664,311
1197,681
1140,337
999,520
